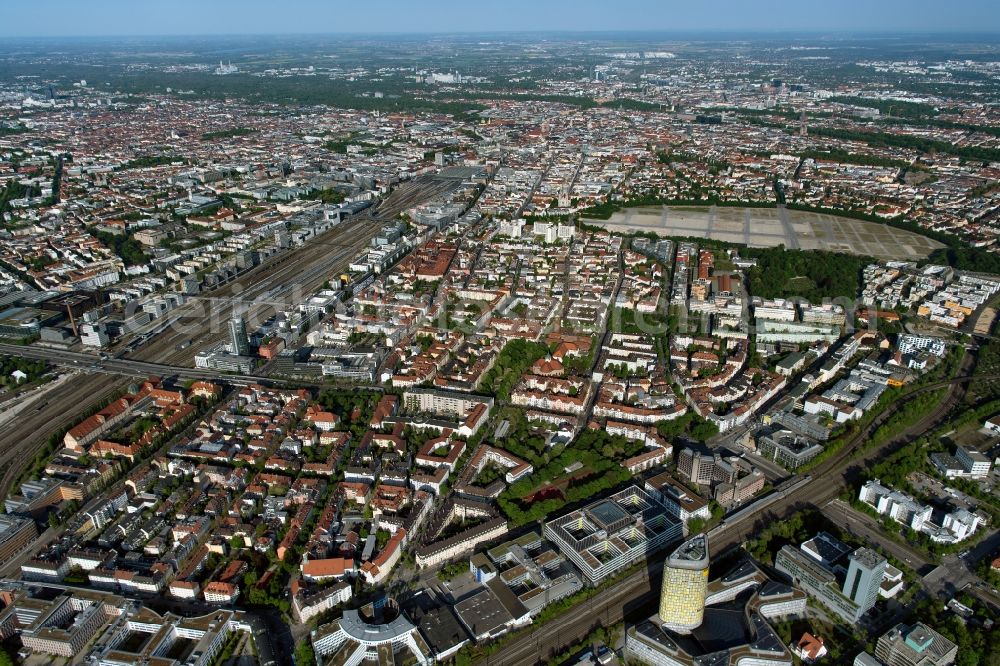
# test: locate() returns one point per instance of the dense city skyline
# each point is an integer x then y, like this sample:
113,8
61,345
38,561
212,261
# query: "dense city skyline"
520,348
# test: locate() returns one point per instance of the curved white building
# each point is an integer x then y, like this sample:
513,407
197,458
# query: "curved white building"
357,637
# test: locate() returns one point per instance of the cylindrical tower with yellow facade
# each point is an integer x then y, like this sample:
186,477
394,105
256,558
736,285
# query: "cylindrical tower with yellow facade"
685,580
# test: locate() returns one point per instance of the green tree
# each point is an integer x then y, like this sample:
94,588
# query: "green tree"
125,246
304,654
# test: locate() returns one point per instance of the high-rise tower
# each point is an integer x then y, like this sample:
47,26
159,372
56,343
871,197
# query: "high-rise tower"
238,339
685,580
864,577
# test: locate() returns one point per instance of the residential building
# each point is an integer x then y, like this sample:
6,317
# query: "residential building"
809,648
915,645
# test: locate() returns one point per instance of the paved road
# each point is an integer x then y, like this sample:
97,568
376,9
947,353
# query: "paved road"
791,238
635,594
265,634
862,525
302,270
279,282
18,402
92,363
828,480
629,598
957,574
66,404
772,471
203,322
11,567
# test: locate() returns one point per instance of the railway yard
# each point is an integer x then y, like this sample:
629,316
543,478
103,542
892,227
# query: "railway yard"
506,351
260,292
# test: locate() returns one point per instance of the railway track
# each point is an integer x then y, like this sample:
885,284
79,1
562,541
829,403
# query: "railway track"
203,321
307,267
634,596
278,284
20,441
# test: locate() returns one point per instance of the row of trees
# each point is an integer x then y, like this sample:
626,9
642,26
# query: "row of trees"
973,259
15,190
151,161
847,157
890,107
911,142
689,426
10,364
976,641
398,93
957,254
327,196
605,210
792,531
228,133
599,453
522,439
354,407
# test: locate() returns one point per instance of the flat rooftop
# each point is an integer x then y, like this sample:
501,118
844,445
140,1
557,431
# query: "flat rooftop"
692,554
607,513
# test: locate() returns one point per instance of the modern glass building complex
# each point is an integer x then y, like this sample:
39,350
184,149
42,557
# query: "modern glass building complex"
610,534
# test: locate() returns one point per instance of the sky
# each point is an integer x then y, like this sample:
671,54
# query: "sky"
61,18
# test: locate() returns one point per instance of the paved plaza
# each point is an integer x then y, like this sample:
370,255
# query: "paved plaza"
770,227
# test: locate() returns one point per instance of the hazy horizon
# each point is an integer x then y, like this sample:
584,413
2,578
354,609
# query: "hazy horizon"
190,18
690,33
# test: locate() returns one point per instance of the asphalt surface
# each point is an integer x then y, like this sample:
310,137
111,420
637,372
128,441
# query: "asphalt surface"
864,526
268,287
634,596
319,260
278,283
89,362
203,322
